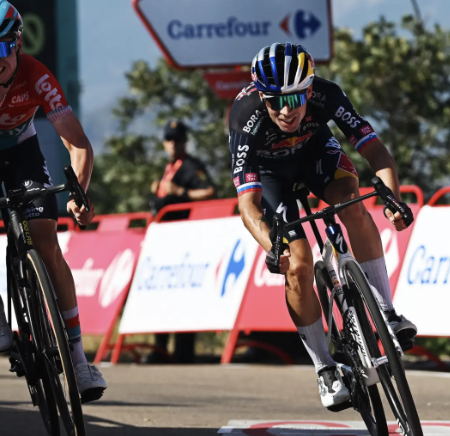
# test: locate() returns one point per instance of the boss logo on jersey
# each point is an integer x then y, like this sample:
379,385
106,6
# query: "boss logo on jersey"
251,177
241,156
252,121
53,97
20,98
347,116
366,130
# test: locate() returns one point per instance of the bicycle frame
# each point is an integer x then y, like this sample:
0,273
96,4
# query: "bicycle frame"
336,248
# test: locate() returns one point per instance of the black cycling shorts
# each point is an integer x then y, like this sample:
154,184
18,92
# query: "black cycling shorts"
324,162
25,162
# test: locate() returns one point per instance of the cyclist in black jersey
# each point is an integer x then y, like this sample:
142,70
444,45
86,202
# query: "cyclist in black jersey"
279,136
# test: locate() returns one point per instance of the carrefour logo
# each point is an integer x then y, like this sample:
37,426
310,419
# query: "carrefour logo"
232,27
236,265
427,268
302,25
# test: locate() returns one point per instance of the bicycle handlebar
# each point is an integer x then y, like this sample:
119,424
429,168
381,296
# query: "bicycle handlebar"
381,190
22,196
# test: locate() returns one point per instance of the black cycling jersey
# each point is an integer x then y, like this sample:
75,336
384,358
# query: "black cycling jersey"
25,162
256,141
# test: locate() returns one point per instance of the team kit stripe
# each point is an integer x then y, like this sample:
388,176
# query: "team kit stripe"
249,187
365,141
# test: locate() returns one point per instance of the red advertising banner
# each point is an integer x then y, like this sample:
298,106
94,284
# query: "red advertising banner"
228,85
102,265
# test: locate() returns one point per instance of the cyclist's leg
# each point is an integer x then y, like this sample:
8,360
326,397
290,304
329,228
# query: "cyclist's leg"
336,181
42,216
302,302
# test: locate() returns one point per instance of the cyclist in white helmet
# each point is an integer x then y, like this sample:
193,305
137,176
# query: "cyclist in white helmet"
279,136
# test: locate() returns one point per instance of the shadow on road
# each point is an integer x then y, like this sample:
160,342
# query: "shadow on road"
26,421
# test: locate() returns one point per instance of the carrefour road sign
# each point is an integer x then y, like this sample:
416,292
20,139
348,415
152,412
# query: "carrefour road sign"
213,33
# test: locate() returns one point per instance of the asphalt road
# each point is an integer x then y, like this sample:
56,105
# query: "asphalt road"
198,400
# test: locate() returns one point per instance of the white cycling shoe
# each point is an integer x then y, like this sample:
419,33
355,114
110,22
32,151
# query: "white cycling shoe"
332,389
6,336
91,383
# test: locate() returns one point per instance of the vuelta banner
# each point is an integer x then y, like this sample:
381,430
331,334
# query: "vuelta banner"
264,306
191,276
423,290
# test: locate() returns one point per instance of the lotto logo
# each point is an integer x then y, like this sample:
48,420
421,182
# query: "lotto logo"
236,182
251,177
366,130
52,97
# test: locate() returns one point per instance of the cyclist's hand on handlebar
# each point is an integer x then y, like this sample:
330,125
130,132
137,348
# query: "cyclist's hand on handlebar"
80,214
396,218
284,261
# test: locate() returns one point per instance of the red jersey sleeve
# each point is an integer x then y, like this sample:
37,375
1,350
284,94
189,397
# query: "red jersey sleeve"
47,91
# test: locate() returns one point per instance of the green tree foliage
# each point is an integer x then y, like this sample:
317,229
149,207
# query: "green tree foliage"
400,81
122,176
397,77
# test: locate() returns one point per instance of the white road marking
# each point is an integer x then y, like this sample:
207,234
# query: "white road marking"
319,428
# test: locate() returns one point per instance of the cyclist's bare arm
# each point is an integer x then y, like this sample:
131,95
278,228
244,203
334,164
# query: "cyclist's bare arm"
383,165
81,158
252,215
78,145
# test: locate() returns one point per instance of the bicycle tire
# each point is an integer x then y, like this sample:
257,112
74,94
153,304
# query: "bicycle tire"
404,407
57,354
26,354
375,420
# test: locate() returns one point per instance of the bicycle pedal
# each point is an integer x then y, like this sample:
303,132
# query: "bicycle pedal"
91,395
340,407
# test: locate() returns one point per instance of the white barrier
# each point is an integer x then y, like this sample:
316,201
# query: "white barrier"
423,289
191,276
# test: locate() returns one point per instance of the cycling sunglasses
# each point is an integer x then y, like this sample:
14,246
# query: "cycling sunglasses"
6,48
278,102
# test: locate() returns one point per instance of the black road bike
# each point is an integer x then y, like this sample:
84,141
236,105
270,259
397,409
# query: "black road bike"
355,320
41,348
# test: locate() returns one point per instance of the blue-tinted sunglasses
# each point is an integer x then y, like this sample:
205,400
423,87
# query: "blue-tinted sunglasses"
278,102
6,48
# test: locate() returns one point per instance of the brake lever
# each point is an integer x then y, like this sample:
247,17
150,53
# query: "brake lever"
389,199
75,188
276,236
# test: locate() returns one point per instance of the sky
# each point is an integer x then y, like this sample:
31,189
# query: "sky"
120,39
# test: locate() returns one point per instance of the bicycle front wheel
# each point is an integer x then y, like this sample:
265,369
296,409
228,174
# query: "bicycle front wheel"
55,346
366,399
392,376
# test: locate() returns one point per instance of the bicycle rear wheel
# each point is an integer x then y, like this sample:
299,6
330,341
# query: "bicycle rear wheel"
56,350
365,399
395,386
